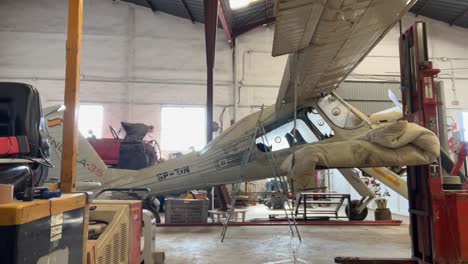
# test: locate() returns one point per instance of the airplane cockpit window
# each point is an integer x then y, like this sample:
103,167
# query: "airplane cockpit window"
338,112
283,137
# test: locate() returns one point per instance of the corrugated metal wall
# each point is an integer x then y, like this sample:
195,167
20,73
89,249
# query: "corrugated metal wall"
369,97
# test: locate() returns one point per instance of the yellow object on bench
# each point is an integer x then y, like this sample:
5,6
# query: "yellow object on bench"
40,230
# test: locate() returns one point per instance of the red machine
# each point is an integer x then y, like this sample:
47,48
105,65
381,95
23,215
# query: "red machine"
113,154
438,217
108,149
431,226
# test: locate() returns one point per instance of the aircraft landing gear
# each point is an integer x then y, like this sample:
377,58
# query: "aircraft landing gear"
353,212
151,203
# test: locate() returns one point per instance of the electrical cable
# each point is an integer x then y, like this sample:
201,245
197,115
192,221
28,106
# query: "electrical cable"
33,179
36,161
46,161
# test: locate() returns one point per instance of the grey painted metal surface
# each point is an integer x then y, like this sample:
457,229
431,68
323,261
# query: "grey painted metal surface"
453,12
254,13
369,97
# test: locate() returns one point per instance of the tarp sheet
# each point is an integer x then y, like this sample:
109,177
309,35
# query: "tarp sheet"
397,144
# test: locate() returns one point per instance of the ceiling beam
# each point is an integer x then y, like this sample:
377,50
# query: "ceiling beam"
225,24
418,12
249,27
257,15
211,26
189,13
456,18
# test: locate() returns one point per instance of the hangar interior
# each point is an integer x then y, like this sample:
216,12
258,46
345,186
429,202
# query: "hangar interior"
147,63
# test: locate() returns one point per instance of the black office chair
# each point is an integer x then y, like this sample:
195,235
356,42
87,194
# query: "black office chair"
21,115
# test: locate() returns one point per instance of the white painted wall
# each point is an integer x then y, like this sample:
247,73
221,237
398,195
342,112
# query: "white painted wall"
135,61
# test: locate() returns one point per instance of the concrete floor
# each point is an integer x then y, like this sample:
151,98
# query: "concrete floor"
261,211
274,245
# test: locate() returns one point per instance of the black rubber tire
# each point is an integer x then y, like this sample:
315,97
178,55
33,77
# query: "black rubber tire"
354,215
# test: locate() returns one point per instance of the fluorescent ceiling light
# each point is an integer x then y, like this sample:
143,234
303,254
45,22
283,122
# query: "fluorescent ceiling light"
238,4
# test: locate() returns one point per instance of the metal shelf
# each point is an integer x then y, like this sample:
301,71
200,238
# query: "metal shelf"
312,198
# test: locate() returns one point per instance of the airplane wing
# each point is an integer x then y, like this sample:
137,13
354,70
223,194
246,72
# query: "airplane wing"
326,40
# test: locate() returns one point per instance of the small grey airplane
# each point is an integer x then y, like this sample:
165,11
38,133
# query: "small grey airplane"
325,40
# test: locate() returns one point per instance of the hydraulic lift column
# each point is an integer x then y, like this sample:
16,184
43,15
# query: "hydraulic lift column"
429,223
438,217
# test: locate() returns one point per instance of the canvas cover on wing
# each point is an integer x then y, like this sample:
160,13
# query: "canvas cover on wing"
326,40
392,145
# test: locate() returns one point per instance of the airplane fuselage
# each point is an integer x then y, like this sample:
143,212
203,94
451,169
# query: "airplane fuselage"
224,160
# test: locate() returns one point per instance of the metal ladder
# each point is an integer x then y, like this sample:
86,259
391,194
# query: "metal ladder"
259,128
240,179
280,181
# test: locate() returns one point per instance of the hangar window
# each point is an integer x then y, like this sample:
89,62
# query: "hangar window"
282,136
90,120
183,128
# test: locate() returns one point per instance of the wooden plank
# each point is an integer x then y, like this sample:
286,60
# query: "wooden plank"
19,212
67,202
72,91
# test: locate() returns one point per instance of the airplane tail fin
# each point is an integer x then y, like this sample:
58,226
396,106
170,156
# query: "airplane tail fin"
394,99
90,167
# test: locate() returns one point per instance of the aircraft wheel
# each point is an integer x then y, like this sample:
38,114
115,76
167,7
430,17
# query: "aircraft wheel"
355,216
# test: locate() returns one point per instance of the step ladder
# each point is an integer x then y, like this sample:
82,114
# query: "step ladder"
260,130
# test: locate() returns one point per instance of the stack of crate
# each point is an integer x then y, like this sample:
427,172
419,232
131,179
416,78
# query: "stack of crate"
184,211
